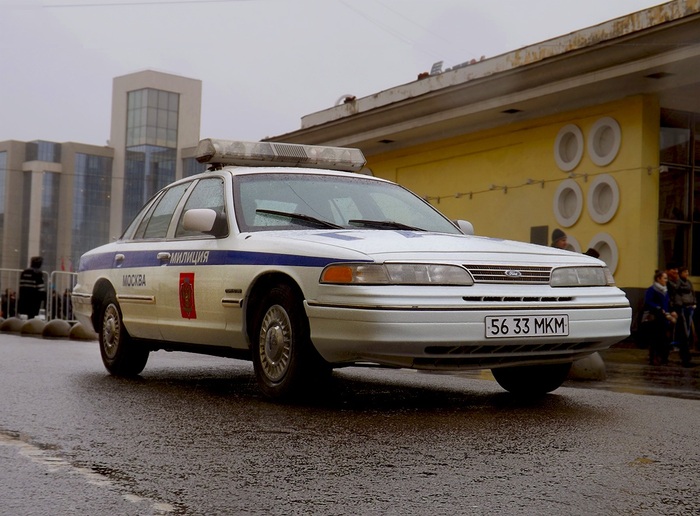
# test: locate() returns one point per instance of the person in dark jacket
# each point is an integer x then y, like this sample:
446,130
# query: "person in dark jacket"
559,239
8,304
657,319
685,299
32,290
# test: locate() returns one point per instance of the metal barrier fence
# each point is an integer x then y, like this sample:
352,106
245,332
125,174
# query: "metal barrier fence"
9,287
57,305
58,300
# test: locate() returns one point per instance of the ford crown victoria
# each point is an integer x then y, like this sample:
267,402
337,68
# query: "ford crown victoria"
287,256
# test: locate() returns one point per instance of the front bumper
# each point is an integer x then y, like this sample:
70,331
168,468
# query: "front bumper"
455,339
82,308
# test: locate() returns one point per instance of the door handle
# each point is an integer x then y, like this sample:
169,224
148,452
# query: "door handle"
164,257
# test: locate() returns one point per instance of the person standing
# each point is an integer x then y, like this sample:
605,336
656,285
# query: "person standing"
674,298
685,296
32,290
657,319
8,303
559,239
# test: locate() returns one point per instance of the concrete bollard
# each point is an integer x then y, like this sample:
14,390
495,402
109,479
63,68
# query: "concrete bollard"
33,327
12,324
79,332
590,368
56,329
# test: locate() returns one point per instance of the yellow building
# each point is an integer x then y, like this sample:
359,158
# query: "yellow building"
596,132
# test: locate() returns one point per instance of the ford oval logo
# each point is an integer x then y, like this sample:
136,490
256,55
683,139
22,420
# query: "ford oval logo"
514,274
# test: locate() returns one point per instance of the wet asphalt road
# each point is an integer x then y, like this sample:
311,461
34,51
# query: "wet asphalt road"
194,436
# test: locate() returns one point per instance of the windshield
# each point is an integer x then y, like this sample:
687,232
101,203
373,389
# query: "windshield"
266,202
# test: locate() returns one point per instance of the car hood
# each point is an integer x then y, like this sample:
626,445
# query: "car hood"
381,245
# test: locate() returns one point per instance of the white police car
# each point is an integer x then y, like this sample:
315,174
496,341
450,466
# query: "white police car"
272,256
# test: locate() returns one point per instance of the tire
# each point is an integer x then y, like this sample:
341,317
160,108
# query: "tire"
121,355
286,363
532,381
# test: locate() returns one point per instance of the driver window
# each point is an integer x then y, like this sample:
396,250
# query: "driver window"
207,193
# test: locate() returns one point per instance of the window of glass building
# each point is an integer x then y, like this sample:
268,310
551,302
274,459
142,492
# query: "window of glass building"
190,167
152,118
92,188
3,176
26,205
43,151
148,169
48,239
679,190
151,146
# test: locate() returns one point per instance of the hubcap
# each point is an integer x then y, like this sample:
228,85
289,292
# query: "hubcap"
110,331
275,344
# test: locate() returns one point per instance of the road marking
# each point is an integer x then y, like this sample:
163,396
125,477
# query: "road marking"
54,464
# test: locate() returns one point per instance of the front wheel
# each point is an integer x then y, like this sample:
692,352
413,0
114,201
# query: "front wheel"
284,359
121,355
532,380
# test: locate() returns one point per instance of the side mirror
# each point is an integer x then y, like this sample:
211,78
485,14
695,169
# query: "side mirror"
199,219
206,220
466,226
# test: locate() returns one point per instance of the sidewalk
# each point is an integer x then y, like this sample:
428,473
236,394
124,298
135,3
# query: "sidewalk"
627,369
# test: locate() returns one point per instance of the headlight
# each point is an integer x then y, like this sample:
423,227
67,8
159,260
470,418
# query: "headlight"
395,274
581,277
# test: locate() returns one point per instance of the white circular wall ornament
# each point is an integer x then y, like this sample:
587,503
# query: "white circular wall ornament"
568,203
572,244
603,198
568,147
607,248
604,141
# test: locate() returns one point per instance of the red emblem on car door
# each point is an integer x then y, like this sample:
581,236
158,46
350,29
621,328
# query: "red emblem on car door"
187,295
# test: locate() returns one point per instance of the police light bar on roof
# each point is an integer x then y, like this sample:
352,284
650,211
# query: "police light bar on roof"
226,152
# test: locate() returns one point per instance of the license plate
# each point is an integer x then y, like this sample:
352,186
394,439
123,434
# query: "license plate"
527,326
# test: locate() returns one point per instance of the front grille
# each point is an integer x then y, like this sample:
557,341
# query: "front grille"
480,355
509,349
509,274
518,299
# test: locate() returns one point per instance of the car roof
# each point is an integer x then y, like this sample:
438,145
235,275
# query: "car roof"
234,171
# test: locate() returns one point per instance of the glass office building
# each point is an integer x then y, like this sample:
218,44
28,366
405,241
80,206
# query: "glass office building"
59,200
151,146
92,185
155,120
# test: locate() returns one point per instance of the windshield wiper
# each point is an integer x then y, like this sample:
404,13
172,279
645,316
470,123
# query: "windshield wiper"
312,221
383,224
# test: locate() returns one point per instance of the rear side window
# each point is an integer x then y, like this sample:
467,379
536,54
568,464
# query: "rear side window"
133,229
155,224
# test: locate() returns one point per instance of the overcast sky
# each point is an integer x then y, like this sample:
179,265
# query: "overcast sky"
263,63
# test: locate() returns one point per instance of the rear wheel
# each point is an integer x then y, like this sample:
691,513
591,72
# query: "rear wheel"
532,380
121,355
285,361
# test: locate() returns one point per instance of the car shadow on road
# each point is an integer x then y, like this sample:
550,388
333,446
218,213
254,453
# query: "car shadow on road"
359,391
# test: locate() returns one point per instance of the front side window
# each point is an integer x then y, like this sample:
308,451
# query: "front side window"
207,193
